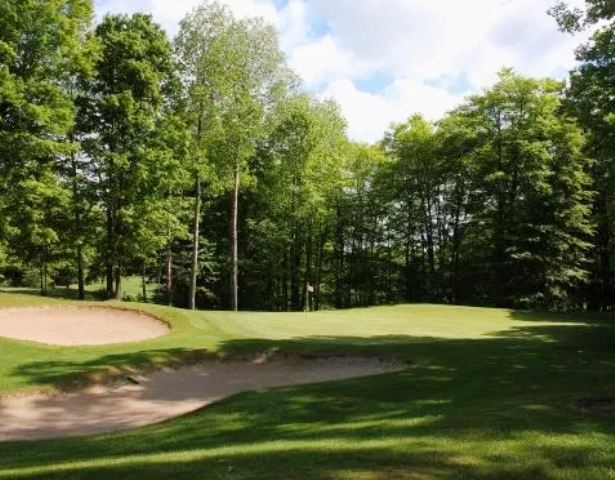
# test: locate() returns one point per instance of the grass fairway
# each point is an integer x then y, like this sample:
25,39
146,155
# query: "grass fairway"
487,397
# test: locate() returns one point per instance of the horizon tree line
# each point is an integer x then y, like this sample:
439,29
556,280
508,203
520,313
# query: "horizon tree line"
202,165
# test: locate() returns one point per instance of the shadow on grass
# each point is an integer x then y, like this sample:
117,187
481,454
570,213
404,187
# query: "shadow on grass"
590,318
69,374
492,408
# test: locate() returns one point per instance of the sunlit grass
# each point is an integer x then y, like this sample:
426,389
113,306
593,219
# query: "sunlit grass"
487,396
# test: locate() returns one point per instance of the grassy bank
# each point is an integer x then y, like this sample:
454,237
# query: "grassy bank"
488,395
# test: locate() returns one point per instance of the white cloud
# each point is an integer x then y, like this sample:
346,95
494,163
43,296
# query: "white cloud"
370,114
119,6
321,61
428,40
430,51
293,23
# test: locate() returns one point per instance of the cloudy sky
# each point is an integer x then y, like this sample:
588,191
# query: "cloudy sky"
383,60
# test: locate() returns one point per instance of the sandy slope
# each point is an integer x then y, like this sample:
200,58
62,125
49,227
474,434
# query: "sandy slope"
166,394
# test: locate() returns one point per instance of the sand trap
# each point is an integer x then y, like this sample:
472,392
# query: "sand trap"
165,394
79,325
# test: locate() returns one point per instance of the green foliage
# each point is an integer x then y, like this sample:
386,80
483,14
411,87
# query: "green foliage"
591,98
234,72
42,45
575,19
299,170
532,184
492,204
137,141
114,144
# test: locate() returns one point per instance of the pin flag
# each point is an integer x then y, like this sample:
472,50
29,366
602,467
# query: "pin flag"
310,288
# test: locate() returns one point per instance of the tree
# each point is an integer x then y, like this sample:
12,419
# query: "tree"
419,183
532,191
591,98
576,19
132,128
363,248
41,47
298,171
234,72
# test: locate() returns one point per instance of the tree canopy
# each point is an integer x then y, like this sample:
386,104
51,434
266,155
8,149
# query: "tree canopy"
203,166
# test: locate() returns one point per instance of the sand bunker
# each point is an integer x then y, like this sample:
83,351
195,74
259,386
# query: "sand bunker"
79,325
165,394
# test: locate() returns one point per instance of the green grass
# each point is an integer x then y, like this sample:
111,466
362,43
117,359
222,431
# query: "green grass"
132,289
487,396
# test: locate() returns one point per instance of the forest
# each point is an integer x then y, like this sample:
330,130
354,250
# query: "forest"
203,166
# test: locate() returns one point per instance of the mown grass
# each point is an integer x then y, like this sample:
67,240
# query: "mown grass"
488,396
132,289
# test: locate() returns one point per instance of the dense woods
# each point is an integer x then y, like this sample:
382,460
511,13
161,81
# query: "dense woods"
201,165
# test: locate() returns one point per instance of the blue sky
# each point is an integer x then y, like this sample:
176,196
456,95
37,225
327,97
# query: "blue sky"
383,60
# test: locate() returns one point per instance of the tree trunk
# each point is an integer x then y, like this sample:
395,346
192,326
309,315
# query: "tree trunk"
118,283
169,275
339,261
319,260
144,283
109,259
308,268
195,242
295,273
429,234
456,248
77,226
287,277
42,282
80,274
234,252
408,269
389,295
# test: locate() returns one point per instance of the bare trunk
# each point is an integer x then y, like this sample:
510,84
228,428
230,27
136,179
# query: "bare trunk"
339,262
407,270
234,253
169,272
144,283
42,282
109,259
118,283
295,273
286,279
80,275
319,260
77,227
308,269
195,242
455,252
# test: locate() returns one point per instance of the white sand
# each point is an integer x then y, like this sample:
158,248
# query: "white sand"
79,325
165,394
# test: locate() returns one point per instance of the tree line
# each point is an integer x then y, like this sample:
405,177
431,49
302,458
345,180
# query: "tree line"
202,165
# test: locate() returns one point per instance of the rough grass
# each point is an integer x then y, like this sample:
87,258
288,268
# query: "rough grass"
488,396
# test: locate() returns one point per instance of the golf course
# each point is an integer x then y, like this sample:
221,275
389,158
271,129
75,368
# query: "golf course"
307,240
483,393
